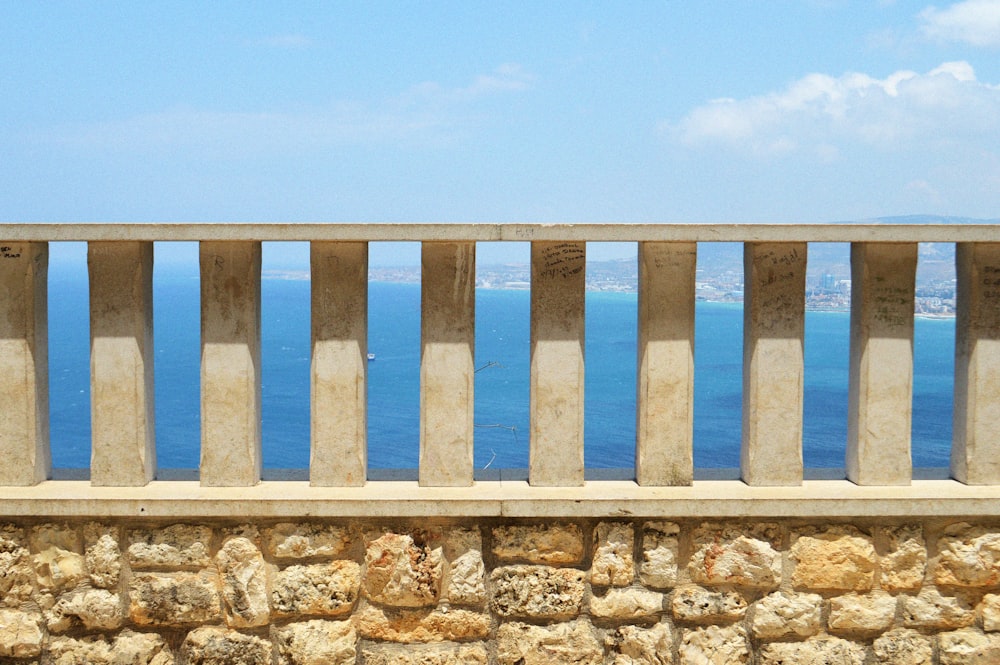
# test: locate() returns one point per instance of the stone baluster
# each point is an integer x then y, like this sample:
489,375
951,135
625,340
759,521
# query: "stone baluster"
665,377
975,449
447,363
24,363
230,363
339,377
123,450
558,280
773,339
880,389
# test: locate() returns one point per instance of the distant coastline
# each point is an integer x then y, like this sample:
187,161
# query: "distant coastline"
515,278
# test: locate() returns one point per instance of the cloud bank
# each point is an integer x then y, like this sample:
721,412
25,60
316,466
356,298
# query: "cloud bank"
822,114
974,22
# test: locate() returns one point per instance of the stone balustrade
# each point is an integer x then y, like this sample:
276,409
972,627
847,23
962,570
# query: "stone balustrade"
120,262
666,568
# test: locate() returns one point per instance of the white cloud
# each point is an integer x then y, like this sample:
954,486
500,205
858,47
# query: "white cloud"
505,78
975,22
820,114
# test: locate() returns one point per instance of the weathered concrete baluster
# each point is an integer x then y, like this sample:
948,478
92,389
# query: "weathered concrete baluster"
665,402
975,448
447,357
773,338
123,450
338,455
24,363
558,280
230,363
880,393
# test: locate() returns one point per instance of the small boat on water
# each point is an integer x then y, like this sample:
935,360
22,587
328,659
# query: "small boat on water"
371,357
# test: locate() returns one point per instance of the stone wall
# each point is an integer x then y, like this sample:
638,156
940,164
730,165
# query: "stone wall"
621,592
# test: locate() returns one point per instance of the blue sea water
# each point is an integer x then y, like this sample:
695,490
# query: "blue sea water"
502,354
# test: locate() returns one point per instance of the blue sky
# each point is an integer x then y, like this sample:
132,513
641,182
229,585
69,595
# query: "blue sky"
776,111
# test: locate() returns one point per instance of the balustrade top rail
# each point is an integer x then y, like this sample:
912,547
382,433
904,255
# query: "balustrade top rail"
485,232
123,470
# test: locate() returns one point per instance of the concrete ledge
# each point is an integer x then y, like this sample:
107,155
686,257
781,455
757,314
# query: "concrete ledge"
506,232
67,499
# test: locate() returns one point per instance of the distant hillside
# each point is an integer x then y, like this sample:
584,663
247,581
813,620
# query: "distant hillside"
936,261
924,219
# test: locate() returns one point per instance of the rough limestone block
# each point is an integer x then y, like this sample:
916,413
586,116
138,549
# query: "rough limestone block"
63,536
969,557
174,546
103,556
902,646
613,560
929,610
840,558
727,555
990,609
211,645
20,634
95,609
317,642
421,625
624,604
401,573
905,563
551,544
298,540
17,576
58,570
174,599
323,589
244,577
537,592
782,615
659,554
249,531
699,605
465,580
866,615
824,650
633,645
574,642
128,648
968,647
714,645
435,654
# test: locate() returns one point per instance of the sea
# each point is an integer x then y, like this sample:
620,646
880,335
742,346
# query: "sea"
502,361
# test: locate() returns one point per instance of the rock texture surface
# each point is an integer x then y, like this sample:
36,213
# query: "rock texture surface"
503,592
401,572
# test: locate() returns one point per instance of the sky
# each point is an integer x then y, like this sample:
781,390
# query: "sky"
668,111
